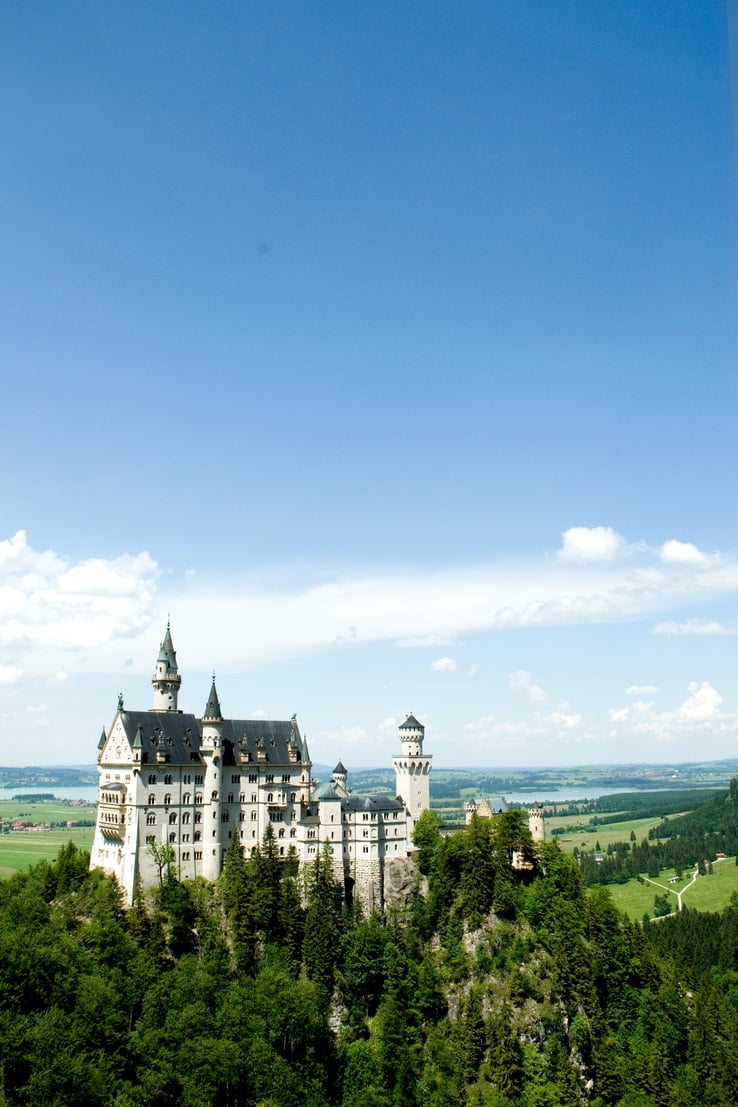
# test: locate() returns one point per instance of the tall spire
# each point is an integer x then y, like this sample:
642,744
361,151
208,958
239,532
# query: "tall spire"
166,679
212,707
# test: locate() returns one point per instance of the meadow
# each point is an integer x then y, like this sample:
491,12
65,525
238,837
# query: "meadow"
19,849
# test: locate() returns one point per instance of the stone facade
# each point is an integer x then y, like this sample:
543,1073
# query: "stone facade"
178,787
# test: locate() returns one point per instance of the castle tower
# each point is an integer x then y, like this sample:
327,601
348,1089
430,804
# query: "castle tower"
212,755
166,679
536,823
339,777
412,770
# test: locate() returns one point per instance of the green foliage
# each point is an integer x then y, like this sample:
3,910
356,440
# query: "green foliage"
503,987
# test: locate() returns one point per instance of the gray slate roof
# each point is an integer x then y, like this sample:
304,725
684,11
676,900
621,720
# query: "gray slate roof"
166,651
411,723
177,737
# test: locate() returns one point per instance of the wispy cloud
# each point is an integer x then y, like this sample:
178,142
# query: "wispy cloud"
444,665
693,626
57,616
522,681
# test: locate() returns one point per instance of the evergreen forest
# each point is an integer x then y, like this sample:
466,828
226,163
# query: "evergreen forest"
504,981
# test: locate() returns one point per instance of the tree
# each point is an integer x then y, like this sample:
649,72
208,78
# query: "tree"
163,856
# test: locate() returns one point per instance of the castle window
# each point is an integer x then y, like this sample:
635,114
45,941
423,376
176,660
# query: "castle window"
186,855
185,837
198,855
281,833
167,800
168,778
172,837
230,797
254,797
253,777
269,778
270,797
293,833
150,839
225,817
152,778
187,778
253,816
152,800
186,817
173,818
196,836
214,794
281,849
242,798
293,797
198,816
198,797
242,816
151,819
198,781
186,798
236,778
286,778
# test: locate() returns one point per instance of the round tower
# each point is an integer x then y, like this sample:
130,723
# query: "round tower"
212,756
536,823
412,770
166,679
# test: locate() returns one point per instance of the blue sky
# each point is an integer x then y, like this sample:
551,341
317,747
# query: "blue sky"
392,350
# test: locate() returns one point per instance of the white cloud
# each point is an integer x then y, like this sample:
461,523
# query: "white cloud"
703,703
37,709
389,725
565,718
522,681
422,641
685,553
10,674
619,714
46,602
692,626
590,544
641,690
444,665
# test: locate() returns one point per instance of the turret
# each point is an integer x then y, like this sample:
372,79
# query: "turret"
211,752
412,770
166,679
536,823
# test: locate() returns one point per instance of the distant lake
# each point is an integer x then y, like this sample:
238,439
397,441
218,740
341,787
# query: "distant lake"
77,792
570,795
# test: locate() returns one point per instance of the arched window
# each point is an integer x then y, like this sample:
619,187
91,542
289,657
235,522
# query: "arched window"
173,817
152,778
186,817
293,833
253,816
225,817
198,816
168,778
167,800
214,795
270,797
293,797
152,800
151,819
281,833
198,797
186,798
196,836
172,837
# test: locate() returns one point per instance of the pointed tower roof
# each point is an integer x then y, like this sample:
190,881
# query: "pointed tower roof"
340,770
166,650
103,739
212,707
411,723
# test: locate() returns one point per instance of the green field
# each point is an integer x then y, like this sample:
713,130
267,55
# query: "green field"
584,837
712,892
21,849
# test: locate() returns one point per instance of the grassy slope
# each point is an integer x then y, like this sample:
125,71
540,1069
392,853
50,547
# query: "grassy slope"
708,893
21,849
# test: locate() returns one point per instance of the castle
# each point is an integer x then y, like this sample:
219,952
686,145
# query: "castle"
179,787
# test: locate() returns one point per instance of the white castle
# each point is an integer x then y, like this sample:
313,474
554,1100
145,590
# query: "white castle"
169,779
